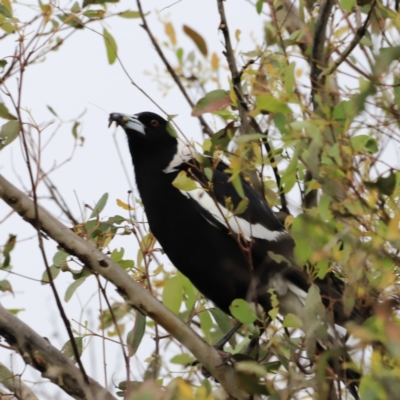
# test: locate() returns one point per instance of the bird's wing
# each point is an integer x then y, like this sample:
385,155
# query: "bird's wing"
251,217
258,224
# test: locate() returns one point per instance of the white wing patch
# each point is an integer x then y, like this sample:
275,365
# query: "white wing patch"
233,222
184,153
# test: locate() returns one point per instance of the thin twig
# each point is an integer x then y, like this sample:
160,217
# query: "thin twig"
174,75
272,160
17,106
356,39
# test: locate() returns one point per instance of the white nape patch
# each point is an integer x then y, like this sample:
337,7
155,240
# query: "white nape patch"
184,153
233,222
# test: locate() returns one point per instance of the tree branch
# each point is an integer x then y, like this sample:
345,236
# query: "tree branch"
174,75
318,58
15,385
41,355
237,87
133,293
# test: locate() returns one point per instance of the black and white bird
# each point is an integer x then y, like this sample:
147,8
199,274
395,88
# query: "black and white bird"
226,254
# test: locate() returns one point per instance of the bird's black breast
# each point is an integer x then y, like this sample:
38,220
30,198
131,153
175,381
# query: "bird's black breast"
207,255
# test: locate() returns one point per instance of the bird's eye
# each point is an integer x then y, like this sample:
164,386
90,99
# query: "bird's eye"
154,123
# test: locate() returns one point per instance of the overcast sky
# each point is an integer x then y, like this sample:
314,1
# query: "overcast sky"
75,79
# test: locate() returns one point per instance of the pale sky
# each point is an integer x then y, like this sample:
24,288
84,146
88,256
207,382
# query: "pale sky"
78,78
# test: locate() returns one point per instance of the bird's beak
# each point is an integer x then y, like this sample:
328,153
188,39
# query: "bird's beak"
127,122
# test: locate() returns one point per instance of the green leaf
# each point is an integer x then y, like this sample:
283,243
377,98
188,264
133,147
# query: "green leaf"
259,6
88,2
183,182
171,130
7,249
271,104
111,46
5,114
314,320
76,8
135,336
94,13
72,287
52,111
5,286
243,311
212,101
224,323
117,255
9,132
54,273
182,359
384,185
386,56
249,137
68,350
292,321
197,39
75,130
5,11
59,257
3,63
130,14
206,323
71,20
251,366
289,78
242,206
347,5
99,206
126,264
237,184
364,143
172,294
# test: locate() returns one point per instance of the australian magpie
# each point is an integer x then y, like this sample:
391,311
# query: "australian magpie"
229,246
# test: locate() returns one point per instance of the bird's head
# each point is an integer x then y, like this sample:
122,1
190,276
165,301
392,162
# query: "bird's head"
146,127
149,136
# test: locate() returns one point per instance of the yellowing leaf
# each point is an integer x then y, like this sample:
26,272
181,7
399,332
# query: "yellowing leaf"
184,389
7,4
170,31
125,206
129,14
214,61
111,46
5,11
393,232
237,35
183,182
197,39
